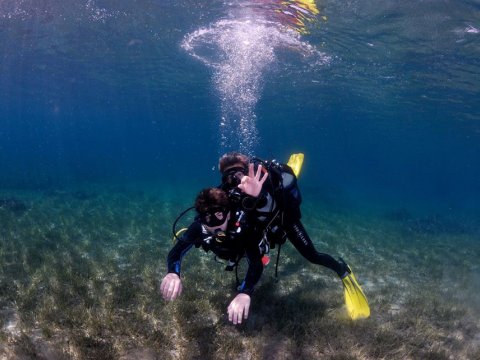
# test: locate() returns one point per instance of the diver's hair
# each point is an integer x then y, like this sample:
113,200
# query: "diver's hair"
210,198
232,158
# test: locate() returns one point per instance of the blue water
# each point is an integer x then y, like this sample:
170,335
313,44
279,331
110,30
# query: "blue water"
381,96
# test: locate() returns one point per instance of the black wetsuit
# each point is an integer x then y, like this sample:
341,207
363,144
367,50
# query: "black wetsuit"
234,246
278,206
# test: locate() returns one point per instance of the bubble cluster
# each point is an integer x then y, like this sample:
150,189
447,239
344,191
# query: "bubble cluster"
14,9
97,13
240,52
28,9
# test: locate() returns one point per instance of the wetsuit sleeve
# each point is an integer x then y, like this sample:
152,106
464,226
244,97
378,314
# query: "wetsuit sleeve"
255,267
182,246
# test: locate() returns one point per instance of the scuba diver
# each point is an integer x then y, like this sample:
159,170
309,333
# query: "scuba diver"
274,208
223,229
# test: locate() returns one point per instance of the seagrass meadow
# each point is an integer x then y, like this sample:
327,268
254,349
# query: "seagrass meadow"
81,268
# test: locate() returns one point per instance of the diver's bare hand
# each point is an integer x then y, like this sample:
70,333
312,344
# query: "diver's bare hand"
252,183
171,286
238,308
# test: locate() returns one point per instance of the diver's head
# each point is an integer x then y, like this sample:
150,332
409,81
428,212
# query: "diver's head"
213,208
232,159
233,167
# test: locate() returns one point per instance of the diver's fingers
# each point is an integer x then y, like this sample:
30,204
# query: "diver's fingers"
239,316
170,289
250,170
233,313
166,293
245,312
230,313
177,290
259,172
235,316
263,178
164,287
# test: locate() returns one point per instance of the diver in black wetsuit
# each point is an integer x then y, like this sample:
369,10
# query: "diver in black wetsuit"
222,229
277,204
244,218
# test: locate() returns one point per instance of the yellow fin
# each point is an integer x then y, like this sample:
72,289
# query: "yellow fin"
355,299
308,4
296,162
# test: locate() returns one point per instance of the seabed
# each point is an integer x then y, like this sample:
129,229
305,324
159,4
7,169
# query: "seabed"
80,269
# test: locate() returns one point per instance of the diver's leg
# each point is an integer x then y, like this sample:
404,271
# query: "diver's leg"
298,236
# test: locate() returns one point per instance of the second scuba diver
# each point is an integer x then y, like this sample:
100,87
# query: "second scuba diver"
275,211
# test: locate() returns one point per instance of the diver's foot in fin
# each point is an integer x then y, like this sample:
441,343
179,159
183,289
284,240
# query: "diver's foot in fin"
355,299
345,269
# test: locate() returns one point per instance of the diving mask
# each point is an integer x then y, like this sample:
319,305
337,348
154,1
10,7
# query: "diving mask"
233,176
214,217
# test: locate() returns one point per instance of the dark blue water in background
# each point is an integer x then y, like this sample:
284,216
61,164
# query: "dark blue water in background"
103,92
